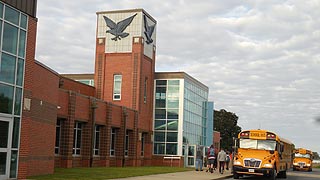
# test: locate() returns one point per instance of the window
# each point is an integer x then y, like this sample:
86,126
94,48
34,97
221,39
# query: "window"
22,43
258,144
4,134
97,141
58,130
77,138
117,81
145,90
13,34
142,144
20,72
87,81
15,133
126,150
11,15
166,116
17,104
14,163
159,148
113,142
6,98
7,68
10,37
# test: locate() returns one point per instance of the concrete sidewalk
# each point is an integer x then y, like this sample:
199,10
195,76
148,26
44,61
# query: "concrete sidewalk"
187,175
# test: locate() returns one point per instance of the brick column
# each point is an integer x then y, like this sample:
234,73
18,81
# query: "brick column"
67,133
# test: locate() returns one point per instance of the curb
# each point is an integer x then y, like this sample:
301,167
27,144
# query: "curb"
225,177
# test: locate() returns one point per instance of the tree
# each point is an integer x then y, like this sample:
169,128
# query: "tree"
226,123
316,155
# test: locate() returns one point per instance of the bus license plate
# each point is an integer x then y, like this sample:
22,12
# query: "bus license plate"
251,170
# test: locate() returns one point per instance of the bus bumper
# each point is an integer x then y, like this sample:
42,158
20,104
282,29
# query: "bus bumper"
303,168
252,171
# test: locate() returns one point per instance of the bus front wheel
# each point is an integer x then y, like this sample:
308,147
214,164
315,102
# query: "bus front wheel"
273,174
235,175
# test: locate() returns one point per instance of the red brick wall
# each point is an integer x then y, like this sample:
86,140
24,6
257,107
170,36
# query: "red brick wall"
63,103
99,68
26,115
216,140
82,108
69,84
38,123
135,68
107,115
73,102
115,118
118,64
100,113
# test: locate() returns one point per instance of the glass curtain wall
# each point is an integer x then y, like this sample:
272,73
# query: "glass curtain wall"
195,114
166,117
13,33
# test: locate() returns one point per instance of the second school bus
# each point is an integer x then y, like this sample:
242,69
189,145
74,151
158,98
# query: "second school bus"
262,153
302,159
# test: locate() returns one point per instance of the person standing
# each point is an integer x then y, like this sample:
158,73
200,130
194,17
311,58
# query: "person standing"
211,158
199,158
228,158
221,159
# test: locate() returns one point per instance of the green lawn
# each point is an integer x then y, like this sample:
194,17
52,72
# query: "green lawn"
102,173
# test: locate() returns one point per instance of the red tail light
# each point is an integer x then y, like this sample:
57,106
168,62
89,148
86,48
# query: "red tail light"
271,136
244,134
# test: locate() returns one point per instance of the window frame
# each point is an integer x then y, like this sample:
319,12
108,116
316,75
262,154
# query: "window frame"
113,142
117,96
97,131
142,144
58,141
145,90
77,128
127,141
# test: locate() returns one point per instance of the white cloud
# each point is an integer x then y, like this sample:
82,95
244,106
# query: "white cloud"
260,59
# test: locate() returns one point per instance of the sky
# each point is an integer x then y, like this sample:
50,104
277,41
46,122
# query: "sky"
260,59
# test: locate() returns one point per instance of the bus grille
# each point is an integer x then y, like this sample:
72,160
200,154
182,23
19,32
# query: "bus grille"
252,163
301,164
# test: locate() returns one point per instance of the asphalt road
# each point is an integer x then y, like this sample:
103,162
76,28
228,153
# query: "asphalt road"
292,175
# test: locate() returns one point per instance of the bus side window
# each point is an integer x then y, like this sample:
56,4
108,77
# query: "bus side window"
281,147
236,145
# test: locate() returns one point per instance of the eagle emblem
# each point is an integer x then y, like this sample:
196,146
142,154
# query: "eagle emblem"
148,30
117,29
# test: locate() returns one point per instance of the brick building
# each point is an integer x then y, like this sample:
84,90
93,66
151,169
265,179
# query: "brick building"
66,123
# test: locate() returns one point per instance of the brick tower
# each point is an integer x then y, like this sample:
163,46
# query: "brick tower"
125,58
125,63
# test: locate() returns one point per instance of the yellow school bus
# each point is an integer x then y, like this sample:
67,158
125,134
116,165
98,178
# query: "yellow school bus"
302,159
261,153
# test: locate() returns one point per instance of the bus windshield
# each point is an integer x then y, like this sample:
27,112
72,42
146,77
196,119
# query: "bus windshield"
258,144
302,155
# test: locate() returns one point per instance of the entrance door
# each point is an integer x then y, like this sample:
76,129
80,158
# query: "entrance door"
5,144
191,156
